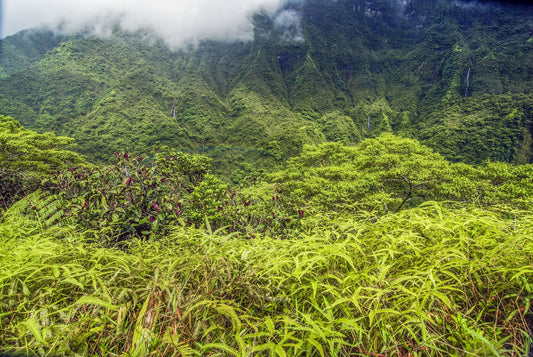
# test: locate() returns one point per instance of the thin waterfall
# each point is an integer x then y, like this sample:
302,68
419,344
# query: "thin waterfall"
467,81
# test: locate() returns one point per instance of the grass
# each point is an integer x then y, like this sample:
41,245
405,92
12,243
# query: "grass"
430,281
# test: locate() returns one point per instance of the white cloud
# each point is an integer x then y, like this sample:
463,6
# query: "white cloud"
177,21
289,22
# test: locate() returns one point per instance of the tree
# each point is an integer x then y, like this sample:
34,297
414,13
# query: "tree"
26,158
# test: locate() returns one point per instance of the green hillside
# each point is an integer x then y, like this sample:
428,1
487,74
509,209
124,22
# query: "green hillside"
457,77
357,180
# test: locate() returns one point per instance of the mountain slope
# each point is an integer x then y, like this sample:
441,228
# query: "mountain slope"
455,75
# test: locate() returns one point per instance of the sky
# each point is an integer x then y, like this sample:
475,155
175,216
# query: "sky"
177,21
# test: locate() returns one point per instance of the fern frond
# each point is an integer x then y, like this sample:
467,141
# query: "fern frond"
38,207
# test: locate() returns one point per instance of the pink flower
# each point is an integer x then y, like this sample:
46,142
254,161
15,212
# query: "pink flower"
152,219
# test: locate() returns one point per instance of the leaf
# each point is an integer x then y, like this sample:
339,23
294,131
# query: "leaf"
230,312
222,347
484,340
33,326
317,346
93,300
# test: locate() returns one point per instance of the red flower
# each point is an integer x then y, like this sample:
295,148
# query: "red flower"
126,156
246,204
128,181
301,213
219,208
152,219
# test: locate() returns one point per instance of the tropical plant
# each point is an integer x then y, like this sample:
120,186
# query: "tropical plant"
27,158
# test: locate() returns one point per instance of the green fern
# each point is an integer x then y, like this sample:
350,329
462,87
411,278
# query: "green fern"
43,208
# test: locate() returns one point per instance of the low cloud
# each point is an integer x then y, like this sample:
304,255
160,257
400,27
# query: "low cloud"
289,22
177,21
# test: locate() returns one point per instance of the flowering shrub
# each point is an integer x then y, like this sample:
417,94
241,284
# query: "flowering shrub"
136,198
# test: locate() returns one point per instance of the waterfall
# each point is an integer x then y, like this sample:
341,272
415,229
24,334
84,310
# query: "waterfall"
173,111
467,81
368,123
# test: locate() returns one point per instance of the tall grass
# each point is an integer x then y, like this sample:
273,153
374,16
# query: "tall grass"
430,281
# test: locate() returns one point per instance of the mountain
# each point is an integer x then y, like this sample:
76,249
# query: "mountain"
455,75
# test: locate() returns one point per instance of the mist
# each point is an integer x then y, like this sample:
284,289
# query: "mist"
177,22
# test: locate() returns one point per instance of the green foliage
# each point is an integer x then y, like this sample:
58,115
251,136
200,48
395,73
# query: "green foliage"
347,63
129,198
473,130
25,49
347,253
389,173
429,281
376,246
138,198
26,158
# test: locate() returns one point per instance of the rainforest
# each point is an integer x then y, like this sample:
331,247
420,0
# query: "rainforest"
354,179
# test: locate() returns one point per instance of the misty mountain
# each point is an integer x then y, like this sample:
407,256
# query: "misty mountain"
455,75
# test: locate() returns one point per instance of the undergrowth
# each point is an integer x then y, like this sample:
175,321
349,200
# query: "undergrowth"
429,281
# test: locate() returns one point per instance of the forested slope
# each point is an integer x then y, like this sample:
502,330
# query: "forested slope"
382,248
456,75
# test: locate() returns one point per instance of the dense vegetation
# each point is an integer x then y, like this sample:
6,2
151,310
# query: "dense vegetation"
379,249
358,182
456,76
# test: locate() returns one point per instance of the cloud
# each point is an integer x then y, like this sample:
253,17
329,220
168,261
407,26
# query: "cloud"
289,22
177,21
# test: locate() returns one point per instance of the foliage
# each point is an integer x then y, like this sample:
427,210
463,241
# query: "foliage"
26,158
129,198
140,198
473,130
429,281
389,173
364,247
346,70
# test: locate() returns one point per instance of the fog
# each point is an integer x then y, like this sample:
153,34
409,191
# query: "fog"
177,21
